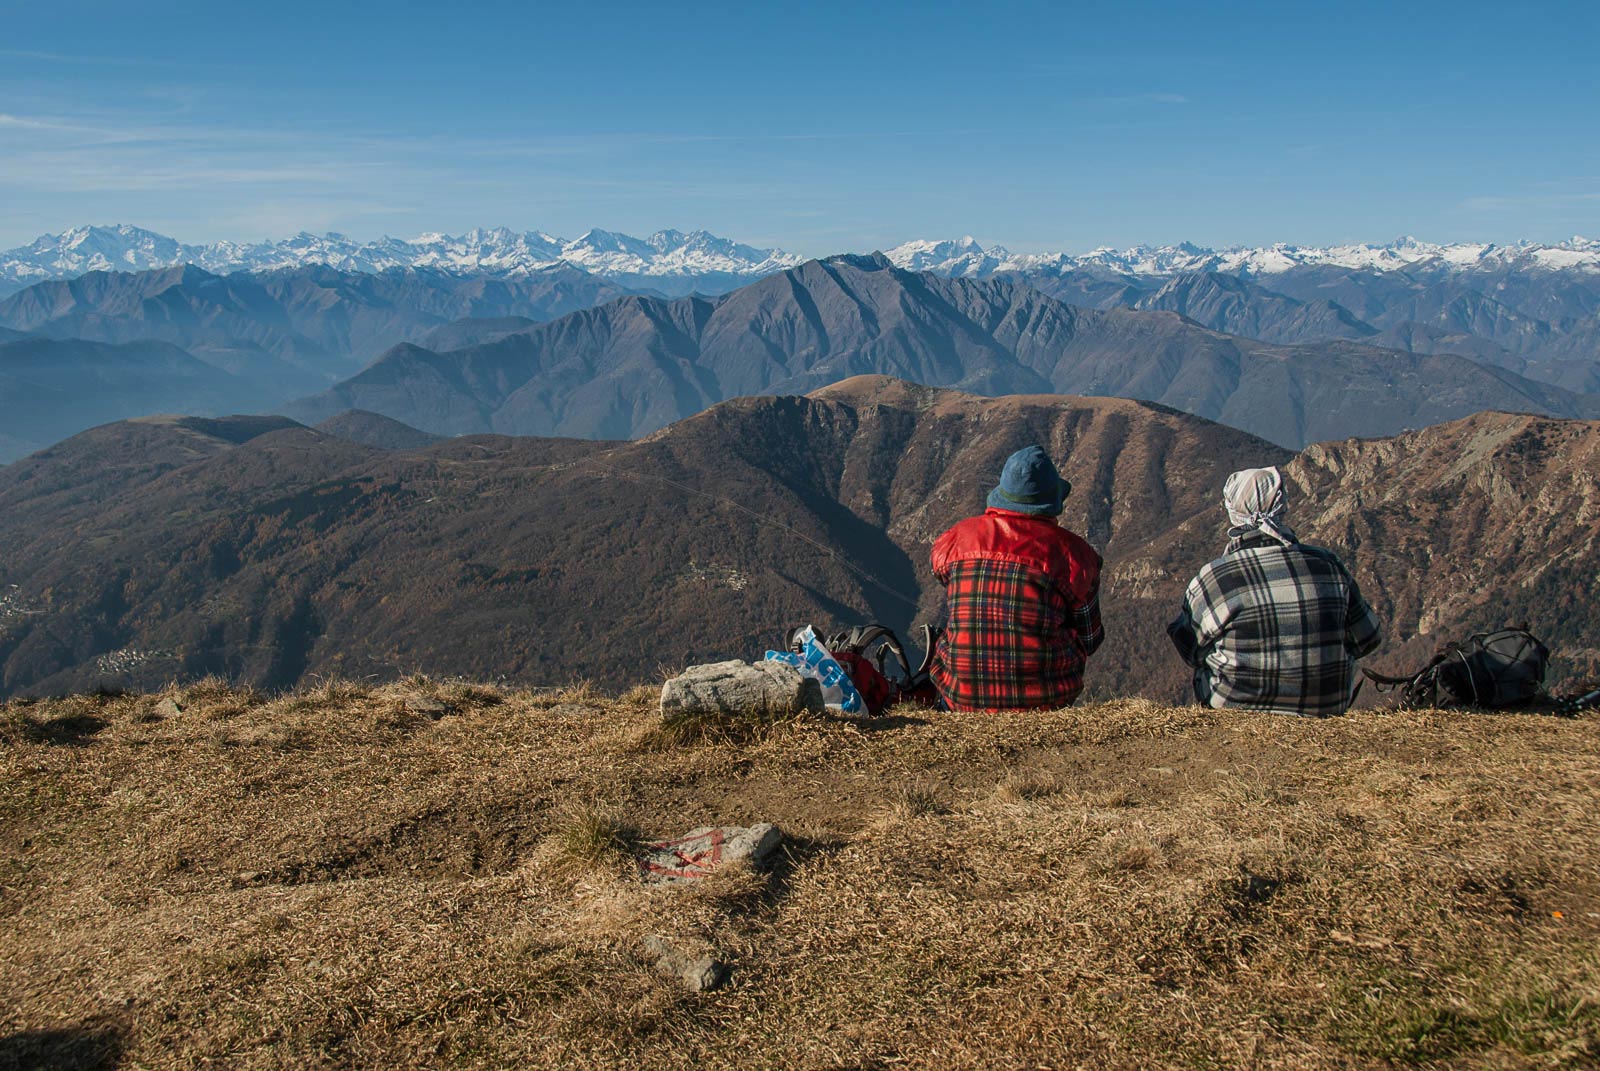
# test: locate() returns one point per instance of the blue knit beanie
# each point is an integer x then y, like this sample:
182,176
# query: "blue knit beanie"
1030,484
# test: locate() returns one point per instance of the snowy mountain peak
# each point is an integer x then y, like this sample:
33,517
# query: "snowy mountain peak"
955,256
679,262
964,257
670,259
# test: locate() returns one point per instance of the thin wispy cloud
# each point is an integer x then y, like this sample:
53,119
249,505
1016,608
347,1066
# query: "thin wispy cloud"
55,153
98,131
1502,202
25,122
1054,71
291,216
64,57
312,176
1145,98
167,151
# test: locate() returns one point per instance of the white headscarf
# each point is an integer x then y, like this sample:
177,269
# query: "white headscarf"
1256,502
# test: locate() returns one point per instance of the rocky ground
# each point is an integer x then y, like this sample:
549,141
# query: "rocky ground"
444,875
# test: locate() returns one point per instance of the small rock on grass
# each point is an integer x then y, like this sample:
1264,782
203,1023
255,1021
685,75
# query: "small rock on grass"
168,708
700,973
428,708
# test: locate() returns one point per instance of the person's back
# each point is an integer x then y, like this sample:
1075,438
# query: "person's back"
1023,610
1274,624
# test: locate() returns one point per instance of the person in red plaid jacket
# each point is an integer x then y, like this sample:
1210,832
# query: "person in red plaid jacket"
1022,597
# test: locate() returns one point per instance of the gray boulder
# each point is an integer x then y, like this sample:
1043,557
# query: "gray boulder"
760,689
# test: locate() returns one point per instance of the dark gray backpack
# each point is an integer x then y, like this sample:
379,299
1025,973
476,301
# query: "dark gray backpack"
1488,671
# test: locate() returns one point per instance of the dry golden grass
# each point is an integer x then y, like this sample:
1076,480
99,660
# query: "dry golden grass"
349,877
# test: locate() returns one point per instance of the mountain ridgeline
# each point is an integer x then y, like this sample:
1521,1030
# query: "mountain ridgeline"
312,324
111,345
51,388
1397,311
268,551
634,365
1529,308
1311,352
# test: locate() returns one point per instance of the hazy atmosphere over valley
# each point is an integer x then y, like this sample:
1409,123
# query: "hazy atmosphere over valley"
424,433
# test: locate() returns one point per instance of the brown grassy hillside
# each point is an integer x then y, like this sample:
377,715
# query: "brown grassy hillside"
279,556
343,877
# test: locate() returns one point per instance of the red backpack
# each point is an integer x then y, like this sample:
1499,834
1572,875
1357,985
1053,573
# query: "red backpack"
864,653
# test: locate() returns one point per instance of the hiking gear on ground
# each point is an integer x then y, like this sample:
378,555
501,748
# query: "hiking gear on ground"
1275,628
1486,671
864,653
876,691
1256,502
814,660
1023,607
1572,706
1030,484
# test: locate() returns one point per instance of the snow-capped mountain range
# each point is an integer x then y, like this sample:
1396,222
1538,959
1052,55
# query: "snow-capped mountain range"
677,262
964,257
667,256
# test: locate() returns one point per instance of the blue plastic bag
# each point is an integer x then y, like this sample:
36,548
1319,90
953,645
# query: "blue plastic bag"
838,690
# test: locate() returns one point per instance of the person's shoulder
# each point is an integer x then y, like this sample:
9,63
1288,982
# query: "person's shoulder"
1208,572
1077,546
1311,550
1227,570
964,526
961,538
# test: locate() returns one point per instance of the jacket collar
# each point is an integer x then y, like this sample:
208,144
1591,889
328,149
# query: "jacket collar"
1012,514
1251,541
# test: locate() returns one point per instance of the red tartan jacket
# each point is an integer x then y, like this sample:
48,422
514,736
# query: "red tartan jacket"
1023,612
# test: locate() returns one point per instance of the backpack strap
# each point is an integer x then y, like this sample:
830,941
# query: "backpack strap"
858,639
1384,682
1419,689
1459,654
1575,705
930,636
791,638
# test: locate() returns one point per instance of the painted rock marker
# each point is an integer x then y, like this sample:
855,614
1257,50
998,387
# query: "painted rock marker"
700,851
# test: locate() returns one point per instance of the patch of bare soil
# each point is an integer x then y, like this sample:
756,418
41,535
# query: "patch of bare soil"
439,875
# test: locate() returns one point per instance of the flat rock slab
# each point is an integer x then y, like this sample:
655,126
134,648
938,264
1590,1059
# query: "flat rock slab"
700,974
428,708
740,688
698,852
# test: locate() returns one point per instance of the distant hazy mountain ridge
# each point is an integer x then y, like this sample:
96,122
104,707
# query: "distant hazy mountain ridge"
634,365
1531,309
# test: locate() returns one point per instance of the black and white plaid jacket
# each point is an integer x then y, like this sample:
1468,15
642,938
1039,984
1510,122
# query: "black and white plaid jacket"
1269,627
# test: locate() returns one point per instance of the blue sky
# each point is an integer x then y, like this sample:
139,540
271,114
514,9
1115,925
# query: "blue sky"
815,127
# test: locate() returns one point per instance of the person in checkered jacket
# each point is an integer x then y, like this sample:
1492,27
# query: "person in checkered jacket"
1274,624
1022,597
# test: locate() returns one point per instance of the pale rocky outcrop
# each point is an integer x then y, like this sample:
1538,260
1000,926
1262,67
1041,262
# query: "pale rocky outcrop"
740,688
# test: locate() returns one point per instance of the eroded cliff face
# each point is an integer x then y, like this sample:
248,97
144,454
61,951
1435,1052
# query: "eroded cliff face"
1484,521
